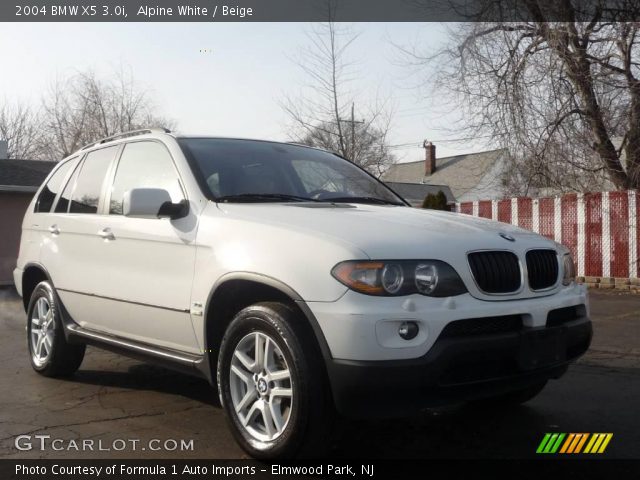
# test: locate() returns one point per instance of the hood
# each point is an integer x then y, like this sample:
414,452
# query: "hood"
390,232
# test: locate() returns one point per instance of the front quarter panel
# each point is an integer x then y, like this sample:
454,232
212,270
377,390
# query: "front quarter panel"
230,247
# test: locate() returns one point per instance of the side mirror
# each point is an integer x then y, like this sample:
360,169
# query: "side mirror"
152,203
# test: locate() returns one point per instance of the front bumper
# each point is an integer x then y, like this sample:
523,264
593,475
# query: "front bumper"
365,328
458,369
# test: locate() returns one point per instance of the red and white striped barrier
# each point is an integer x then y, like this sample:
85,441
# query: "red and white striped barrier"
602,230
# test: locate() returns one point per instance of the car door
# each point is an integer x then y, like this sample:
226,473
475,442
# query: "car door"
147,263
71,250
39,229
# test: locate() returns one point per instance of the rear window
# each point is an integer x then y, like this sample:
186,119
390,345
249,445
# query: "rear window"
52,188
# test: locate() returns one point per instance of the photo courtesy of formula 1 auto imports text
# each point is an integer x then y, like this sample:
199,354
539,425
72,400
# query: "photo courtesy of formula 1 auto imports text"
319,239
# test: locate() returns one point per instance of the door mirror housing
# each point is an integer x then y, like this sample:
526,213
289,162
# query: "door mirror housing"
152,203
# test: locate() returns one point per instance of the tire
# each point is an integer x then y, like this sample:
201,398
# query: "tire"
49,352
515,397
297,407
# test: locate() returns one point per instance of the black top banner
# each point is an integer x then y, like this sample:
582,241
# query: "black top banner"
318,10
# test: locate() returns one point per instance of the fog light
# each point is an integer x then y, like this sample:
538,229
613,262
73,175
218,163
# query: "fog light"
408,330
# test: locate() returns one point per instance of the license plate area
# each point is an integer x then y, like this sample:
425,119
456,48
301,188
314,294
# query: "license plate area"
541,348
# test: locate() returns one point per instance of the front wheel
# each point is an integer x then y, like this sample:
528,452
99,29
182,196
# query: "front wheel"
272,384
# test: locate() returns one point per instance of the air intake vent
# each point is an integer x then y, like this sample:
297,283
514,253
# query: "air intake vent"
482,326
542,266
495,271
560,316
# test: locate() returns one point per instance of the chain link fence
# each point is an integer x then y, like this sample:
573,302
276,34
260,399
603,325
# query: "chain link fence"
602,229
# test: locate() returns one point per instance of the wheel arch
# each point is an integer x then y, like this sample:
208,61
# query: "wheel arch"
235,291
33,274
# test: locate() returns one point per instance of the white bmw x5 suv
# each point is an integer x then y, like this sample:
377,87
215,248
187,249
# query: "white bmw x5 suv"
295,281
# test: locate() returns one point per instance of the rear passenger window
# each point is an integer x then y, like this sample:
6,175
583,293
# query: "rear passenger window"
63,202
51,189
144,165
86,194
82,193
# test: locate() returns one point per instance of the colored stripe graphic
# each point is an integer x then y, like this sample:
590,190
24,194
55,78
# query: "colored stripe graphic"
581,443
607,439
596,445
556,445
550,443
543,443
591,442
598,442
567,442
574,443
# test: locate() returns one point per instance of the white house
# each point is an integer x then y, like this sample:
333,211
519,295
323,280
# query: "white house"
473,176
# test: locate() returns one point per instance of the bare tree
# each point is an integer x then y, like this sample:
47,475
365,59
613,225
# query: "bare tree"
83,108
19,126
325,115
562,96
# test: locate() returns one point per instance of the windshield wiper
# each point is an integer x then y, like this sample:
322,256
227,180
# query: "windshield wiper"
263,197
374,200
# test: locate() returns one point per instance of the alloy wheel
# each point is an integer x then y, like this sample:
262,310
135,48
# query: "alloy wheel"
261,389
42,331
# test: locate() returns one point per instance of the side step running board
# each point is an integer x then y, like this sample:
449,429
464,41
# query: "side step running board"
181,361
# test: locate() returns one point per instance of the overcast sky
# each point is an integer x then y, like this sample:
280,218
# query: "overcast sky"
235,89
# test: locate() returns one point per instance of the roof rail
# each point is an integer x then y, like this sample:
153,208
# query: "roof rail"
122,135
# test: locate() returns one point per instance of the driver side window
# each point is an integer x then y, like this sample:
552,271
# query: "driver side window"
144,165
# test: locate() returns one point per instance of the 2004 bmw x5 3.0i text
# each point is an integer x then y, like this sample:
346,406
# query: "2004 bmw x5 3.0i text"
295,281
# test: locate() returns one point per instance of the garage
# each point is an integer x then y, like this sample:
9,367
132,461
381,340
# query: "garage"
19,181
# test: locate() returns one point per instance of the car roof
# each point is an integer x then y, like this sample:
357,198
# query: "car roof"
156,132
225,137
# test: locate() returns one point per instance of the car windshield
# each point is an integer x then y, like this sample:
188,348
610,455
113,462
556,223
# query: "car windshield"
257,171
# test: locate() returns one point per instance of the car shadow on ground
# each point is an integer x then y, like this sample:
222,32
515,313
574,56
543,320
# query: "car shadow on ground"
150,378
465,431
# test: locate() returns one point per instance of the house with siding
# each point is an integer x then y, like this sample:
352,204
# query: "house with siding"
19,181
470,177
415,193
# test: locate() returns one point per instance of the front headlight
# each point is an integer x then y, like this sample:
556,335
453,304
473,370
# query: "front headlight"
400,277
568,269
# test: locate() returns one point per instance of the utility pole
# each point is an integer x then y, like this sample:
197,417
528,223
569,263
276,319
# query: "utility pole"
353,130
353,122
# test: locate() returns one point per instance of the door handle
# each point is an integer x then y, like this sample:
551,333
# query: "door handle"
106,234
54,230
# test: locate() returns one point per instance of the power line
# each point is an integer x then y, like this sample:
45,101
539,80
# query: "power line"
401,146
466,139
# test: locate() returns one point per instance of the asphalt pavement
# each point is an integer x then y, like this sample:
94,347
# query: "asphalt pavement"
125,409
